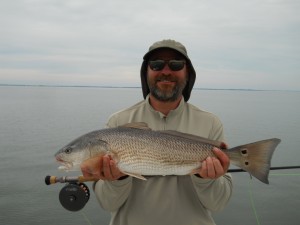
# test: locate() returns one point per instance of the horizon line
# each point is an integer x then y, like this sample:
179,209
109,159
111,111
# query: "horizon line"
109,86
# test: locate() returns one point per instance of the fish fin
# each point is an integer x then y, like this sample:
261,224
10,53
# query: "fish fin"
138,176
137,125
255,158
192,137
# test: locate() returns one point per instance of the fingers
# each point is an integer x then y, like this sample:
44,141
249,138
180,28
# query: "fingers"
223,158
106,173
214,167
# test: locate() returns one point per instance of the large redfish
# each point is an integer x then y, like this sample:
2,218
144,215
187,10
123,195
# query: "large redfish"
139,151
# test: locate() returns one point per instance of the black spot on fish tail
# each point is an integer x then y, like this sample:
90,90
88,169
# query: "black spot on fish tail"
254,158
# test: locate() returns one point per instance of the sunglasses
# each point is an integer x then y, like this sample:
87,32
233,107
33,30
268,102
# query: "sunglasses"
159,64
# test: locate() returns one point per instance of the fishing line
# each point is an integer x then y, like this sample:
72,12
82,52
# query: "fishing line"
271,174
252,202
86,218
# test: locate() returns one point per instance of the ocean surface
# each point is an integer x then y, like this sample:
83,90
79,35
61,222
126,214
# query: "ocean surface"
36,121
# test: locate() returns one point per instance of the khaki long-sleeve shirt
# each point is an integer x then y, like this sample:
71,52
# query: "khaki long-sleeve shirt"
174,200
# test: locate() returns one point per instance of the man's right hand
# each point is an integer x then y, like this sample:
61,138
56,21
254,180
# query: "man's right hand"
101,167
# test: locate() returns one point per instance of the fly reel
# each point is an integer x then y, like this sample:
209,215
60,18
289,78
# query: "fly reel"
75,194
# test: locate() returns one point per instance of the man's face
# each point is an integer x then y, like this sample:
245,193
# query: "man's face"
166,84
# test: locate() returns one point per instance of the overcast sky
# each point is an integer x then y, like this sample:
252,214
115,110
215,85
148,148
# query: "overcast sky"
232,43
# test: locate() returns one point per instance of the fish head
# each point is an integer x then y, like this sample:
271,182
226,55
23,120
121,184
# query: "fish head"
73,154
70,157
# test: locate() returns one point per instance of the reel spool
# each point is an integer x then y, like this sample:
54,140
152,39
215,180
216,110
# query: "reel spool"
74,196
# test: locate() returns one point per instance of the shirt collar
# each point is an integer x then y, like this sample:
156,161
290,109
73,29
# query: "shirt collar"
172,113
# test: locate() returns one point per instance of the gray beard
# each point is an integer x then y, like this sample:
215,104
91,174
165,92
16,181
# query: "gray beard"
167,96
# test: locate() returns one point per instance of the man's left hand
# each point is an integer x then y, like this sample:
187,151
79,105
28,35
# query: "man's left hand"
214,167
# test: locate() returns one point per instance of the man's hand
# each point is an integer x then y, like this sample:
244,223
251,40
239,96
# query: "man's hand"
101,167
214,167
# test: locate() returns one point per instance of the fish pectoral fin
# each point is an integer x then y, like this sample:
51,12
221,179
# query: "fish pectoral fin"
138,176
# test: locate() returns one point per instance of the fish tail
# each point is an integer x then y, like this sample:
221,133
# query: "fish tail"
255,158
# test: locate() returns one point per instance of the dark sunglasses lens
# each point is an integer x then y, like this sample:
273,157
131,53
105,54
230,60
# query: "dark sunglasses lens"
176,65
157,65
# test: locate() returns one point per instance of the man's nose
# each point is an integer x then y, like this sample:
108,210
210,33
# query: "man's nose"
166,70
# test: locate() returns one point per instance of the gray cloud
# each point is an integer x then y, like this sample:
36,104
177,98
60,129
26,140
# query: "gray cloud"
233,44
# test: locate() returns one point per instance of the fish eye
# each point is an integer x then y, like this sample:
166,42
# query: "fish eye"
68,150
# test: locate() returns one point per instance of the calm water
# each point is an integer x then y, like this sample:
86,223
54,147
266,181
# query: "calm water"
36,121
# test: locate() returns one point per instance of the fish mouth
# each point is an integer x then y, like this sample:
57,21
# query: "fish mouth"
64,165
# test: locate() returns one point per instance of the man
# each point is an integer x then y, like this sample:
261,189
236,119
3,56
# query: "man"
167,77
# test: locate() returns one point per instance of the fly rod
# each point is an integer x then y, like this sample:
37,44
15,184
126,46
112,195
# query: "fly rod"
75,194
271,168
79,179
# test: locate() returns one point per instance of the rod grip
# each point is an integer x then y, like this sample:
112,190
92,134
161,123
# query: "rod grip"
78,179
85,179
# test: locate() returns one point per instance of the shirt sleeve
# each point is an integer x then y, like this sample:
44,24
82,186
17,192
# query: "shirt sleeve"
217,131
111,195
112,121
213,194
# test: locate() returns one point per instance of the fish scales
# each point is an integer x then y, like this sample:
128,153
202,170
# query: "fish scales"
156,149
138,151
